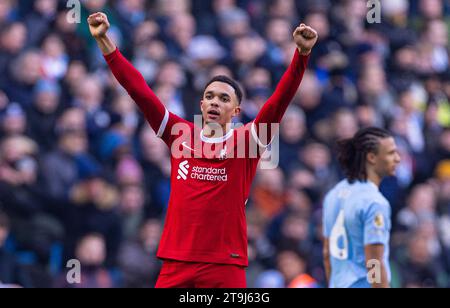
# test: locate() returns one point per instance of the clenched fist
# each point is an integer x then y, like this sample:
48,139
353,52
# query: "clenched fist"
305,37
98,24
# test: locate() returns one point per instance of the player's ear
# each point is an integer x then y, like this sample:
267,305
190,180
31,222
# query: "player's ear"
371,158
201,105
237,111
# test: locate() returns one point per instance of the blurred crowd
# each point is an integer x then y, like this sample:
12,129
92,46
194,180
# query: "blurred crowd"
83,176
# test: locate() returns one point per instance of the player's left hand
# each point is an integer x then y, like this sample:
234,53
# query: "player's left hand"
305,37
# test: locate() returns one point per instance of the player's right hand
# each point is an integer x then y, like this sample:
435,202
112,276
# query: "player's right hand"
98,24
305,37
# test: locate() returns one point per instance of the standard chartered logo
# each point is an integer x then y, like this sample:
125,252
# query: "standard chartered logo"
209,174
202,173
183,170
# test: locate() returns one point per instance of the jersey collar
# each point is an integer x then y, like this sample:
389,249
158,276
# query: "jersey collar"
216,140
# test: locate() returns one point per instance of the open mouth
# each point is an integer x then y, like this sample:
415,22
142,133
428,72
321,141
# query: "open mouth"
213,114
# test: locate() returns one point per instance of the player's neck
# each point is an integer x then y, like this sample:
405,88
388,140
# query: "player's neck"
212,131
373,177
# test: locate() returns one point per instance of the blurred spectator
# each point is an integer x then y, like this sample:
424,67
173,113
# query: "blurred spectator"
433,55
268,193
421,269
374,90
137,258
91,252
295,234
421,205
247,51
345,124
181,31
278,34
54,57
293,133
317,158
59,168
26,71
89,96
93,208
155,161
293,267
6,11
38,22
34,228
202,54
309,100
12,42
150,55
128,117
283,9
132,211
75,46
42,114
13,120
130,14
260,249
11,272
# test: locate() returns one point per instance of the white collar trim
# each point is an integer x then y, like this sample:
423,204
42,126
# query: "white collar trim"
216,140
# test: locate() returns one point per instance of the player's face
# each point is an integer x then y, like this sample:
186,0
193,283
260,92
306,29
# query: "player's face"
388,158
219,104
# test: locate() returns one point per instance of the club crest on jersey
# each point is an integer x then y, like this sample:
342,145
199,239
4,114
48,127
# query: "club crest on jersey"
223,154
379,221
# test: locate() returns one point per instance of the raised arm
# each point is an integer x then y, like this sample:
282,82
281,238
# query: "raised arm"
273,111
130,78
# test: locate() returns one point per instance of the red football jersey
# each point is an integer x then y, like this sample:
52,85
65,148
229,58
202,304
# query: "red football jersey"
211,177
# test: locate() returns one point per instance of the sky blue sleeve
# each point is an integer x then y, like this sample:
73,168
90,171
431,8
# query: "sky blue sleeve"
377,224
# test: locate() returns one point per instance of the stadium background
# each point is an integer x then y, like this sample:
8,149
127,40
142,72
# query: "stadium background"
82,176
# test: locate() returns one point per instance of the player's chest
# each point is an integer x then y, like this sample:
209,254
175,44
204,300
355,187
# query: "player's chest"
213,171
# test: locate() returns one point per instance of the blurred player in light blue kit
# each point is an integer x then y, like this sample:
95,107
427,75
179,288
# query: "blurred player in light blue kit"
356,216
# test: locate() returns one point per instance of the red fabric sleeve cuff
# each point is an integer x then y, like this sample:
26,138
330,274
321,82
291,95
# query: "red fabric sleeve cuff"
112,55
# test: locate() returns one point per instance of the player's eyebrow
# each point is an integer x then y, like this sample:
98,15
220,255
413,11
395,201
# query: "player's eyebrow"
218,94
394,150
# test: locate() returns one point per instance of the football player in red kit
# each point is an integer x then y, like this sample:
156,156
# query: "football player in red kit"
204,242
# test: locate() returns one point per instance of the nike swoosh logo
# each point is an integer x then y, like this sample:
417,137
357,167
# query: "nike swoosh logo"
184,144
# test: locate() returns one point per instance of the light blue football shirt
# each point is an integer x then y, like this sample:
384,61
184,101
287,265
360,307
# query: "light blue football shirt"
354,216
